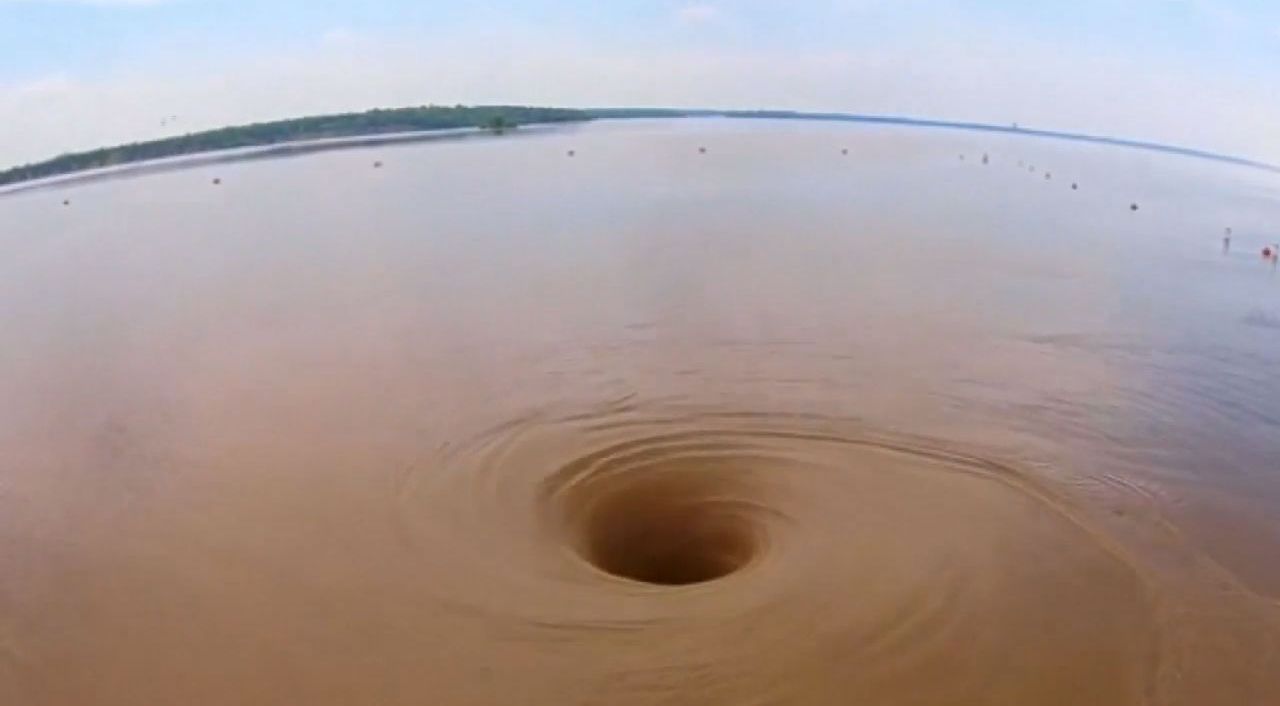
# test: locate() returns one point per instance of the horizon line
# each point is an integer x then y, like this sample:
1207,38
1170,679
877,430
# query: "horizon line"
1011,128
625,113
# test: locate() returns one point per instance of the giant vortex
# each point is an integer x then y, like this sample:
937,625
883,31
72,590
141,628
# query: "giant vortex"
699,557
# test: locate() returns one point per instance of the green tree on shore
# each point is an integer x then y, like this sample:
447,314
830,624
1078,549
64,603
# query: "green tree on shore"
498,118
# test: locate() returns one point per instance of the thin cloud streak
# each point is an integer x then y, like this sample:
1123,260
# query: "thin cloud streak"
697,14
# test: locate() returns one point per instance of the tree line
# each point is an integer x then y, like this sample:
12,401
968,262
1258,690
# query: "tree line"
373,122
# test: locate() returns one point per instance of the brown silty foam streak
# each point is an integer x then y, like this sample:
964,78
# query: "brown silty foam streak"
764,425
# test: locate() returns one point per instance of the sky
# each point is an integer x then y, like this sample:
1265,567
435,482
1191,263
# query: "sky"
79,74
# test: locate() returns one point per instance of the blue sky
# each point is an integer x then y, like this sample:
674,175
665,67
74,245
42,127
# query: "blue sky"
80,73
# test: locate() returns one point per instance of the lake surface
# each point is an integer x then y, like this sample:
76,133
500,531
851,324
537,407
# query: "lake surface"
764,424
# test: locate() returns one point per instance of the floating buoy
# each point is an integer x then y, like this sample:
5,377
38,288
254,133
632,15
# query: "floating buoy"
66,202
571,153
986,159
216,181
1048,175
1133,207
702,150
1075,186
961,158
844,151
1268,253
377,165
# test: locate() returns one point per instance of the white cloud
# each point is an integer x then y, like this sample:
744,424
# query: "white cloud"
45,85
697,14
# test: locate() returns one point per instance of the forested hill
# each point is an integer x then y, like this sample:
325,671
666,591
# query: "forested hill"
373,122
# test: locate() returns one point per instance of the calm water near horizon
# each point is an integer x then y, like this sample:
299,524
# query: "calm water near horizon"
766,424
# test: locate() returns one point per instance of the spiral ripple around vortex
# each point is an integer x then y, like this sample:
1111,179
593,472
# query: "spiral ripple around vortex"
657,556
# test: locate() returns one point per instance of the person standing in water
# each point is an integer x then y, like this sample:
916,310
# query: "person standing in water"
1226,241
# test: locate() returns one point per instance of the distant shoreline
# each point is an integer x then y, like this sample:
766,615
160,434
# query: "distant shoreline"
311,134
1012,129
369,124
269,151
1035,132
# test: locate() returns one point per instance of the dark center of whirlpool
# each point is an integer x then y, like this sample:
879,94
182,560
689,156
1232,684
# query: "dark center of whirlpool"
644,548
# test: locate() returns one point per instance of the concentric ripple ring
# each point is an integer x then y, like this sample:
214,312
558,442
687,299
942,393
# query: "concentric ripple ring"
775,558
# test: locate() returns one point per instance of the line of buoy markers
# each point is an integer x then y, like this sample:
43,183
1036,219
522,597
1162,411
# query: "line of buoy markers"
1271,252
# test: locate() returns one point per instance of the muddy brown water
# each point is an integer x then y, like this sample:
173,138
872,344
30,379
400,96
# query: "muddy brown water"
765,425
